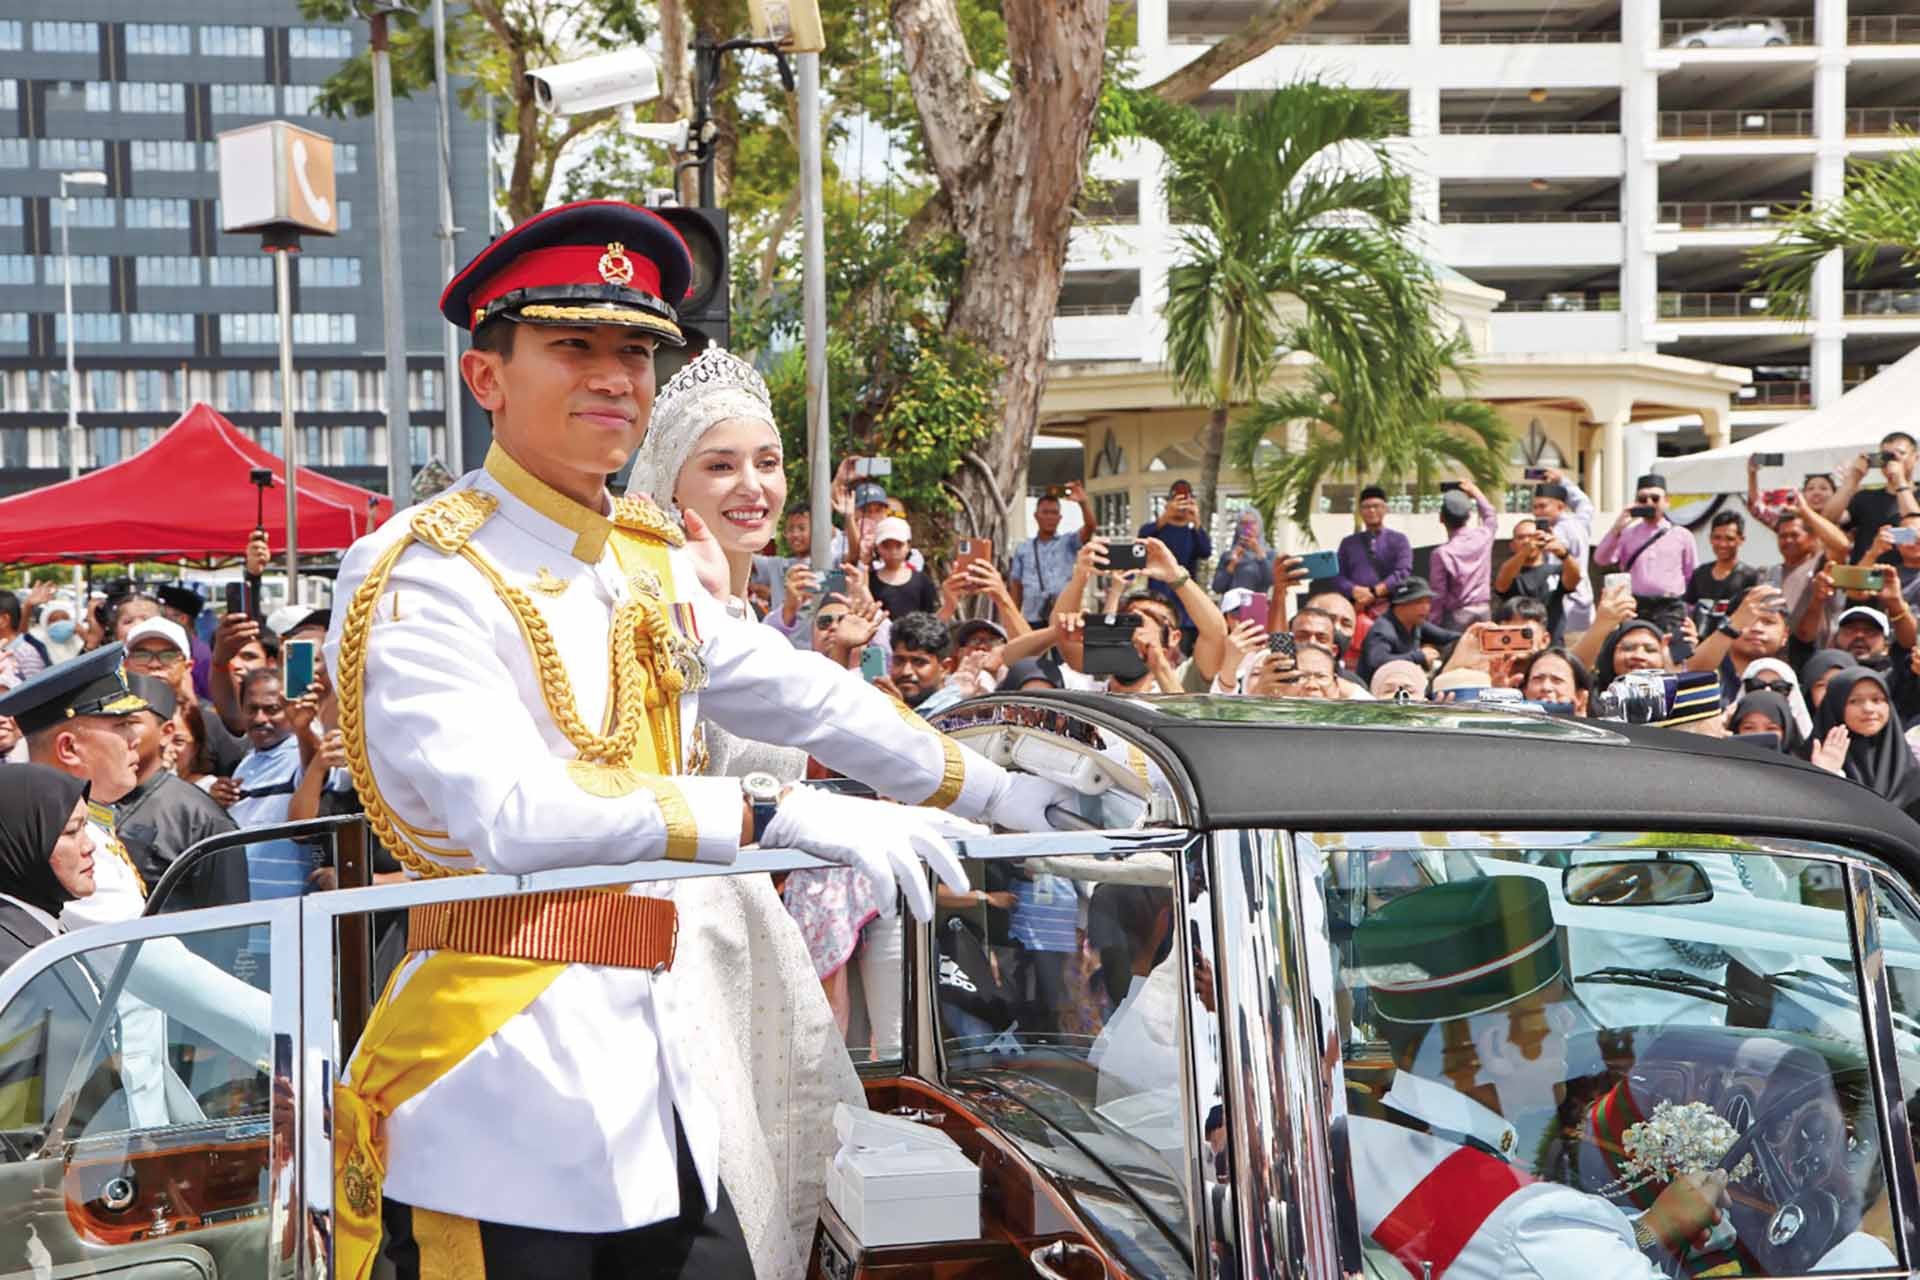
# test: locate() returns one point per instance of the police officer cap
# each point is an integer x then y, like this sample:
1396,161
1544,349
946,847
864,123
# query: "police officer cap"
156,693
1457,949
592,262
93,684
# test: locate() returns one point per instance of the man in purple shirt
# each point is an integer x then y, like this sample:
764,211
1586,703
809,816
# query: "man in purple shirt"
1376,559
1655,552
1461,570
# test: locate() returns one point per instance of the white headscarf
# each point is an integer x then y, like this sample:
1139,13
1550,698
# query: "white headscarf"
714,386
1781,671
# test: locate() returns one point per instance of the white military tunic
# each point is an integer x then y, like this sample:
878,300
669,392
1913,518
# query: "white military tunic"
565,1118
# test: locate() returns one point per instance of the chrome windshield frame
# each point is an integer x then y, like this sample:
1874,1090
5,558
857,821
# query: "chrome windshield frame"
1903,1182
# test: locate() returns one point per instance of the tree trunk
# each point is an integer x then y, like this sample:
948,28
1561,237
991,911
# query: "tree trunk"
1270,26
1212,445
1011,175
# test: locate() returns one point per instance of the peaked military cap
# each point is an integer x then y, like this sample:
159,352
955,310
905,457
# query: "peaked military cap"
93,684
592,262
1457,949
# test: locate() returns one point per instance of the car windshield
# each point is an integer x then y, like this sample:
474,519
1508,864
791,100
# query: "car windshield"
1061,1006
1559,1050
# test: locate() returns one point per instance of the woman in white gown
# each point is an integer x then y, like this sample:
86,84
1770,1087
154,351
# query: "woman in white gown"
744,981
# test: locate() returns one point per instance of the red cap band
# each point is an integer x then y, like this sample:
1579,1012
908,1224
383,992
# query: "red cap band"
571,264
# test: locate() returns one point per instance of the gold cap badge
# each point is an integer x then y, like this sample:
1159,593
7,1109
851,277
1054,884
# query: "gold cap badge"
615,266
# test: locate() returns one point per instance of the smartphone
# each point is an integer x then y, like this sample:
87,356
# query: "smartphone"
298,661
1779,497
1641,513
971,550
1617,582
1770,459
1448,486
1535,474
1255,610
1126,556
1107,647
1904,537
1506,640
833,583
874,662
1320,564
1879,459
1858,577
239,599
1281,642
868,468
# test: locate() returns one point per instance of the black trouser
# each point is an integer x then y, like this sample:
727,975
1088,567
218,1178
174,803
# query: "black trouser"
1040,989
699,1244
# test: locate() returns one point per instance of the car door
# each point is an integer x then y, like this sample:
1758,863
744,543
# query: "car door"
146,1100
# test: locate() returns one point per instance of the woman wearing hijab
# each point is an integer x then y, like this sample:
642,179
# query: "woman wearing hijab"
1856,734
747,985
1817,670
46,856
1248,565
1765,712
1775,676
1634,645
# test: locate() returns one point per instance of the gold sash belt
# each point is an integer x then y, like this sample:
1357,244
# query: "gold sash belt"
575,926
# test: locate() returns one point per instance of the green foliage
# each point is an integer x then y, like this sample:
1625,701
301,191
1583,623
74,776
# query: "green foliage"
1878,209
1379,421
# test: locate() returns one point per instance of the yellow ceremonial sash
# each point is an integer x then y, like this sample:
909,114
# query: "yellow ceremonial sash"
455,1001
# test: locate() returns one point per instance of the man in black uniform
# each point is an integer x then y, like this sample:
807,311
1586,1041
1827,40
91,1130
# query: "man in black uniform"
165,815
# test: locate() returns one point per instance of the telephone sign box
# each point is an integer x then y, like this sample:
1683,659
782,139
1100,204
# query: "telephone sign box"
277,175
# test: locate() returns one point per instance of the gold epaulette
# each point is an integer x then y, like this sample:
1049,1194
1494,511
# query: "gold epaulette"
449,520
636,514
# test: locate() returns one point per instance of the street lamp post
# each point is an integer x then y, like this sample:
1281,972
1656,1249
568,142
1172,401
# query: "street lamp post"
78,178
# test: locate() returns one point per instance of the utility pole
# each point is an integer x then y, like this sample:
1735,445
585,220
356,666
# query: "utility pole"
392,299
450,377
283,245
814,311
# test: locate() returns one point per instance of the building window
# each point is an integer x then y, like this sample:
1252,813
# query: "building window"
252,271
169,38
12,211
346,215
12,35
425,388
243,328
233,42
419,445
152,97
353,447
72,153
158,328
150,211
88,327
162,155
15,268
172,269
88,269
336,390
313,446
13,442
236,390
268,438
66,37
301,98
346,157
104,442
13,326
329,273
80,95
15,153
87,211
333,43
241,99
103,389
331,328
152,389
10,94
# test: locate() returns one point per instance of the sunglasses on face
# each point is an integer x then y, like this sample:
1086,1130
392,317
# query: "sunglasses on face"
1756,684
1647,499
825,620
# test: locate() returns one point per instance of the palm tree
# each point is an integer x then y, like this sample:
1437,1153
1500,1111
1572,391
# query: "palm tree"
1372,421
1878,209
1293,195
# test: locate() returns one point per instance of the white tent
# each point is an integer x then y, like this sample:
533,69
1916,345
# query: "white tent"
1816,441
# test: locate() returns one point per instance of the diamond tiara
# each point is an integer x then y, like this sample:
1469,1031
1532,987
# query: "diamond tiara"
713,370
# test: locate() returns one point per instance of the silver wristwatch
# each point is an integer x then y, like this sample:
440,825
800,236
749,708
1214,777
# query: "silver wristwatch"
763,793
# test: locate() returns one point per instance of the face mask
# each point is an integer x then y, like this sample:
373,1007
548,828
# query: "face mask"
60,630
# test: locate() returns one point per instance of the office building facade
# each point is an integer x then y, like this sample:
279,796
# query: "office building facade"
168,309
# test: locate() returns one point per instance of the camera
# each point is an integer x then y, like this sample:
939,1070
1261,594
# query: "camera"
1880,459
1659,697
1642,511
868,468
1770,459
1904,537
591,84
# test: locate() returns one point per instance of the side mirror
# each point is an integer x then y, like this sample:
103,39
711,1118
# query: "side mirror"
1664,882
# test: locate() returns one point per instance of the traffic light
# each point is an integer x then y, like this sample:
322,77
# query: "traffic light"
704,311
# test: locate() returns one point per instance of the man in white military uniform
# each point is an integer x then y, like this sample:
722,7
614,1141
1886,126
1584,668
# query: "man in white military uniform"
518,662
1471,970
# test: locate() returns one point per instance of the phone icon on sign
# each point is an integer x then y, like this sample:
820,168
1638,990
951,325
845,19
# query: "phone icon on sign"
321,206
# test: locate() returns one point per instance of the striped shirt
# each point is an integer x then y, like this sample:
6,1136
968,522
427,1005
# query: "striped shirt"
1046,914
275,868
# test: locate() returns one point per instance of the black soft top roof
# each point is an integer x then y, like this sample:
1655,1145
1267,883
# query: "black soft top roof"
1320,765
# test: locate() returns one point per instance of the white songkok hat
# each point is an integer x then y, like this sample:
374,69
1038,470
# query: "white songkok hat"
714,386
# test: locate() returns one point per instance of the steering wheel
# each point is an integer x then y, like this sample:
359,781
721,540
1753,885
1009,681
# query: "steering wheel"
1812,1219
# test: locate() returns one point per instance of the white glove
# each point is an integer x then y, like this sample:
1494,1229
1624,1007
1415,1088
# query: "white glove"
1020,803
889,843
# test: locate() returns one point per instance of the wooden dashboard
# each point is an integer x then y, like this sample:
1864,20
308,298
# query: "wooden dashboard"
1020,1212
164,1185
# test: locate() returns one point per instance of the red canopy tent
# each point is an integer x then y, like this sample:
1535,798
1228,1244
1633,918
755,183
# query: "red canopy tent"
186,496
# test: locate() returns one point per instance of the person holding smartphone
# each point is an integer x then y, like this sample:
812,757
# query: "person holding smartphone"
1043,563
1180,529
1657,554
1461,570
1755,629
1862,512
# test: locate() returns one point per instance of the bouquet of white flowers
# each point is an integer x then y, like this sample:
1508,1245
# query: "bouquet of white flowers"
1687,1137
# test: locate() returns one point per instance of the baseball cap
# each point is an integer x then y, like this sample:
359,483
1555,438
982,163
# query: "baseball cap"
1414,588
166,628
868,494
1868,612
1237,598
973,627
892,529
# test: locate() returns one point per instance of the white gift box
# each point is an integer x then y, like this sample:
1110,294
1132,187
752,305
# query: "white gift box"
898,1182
